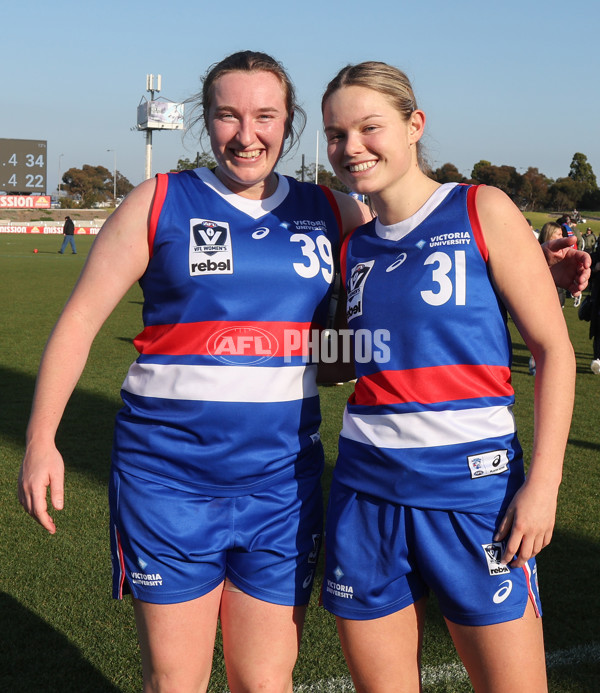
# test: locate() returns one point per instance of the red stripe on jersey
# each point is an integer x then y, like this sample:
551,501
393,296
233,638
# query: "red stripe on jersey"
435,384
162,183
475,223
221,337
344,254
334,206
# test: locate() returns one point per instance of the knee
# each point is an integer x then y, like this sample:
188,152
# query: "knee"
262,683
175,683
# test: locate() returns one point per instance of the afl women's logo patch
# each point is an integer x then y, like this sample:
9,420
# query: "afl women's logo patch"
210,249
210,237
356,284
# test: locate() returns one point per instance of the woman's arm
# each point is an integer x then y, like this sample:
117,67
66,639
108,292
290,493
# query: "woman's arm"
118,258
521,276
353,212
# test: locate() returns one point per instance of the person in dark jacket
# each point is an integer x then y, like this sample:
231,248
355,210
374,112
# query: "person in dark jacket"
69,236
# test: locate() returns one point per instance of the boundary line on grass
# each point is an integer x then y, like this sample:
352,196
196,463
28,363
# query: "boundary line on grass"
454,671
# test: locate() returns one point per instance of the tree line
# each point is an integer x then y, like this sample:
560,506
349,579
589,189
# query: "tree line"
531,190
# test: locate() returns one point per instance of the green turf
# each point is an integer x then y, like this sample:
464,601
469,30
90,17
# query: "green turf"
59,628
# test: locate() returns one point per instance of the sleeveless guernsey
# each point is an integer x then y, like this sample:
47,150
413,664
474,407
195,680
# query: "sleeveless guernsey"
222,398
430,423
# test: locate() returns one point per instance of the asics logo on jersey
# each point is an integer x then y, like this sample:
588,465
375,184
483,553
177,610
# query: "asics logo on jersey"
503,593
488,463
397,262
261,232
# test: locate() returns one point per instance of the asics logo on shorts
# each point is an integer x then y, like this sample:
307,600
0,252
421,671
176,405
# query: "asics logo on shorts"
503,592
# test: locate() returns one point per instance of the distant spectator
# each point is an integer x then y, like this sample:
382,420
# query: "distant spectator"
577,233
595,319
69,236
550,231
565,223
589,239
536,232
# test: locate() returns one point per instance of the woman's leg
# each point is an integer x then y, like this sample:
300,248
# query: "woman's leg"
504,657
384,654
176,642
260,642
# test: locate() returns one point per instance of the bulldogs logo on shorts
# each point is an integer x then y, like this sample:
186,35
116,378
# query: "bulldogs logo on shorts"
493,554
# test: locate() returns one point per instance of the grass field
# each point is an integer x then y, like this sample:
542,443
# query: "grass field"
59,628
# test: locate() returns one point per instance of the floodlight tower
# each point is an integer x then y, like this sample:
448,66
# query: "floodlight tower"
159,114
150,88
114,151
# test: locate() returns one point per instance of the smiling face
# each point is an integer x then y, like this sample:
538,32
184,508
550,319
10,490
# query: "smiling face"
248,124
370,144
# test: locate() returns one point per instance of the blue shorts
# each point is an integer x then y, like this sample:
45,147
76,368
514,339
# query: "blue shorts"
170,546
381,557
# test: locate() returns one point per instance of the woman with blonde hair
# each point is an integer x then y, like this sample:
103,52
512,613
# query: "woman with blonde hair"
429,490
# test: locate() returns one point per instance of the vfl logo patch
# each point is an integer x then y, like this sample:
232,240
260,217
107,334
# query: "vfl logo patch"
488,463
210,249
209,237
493,554
356,284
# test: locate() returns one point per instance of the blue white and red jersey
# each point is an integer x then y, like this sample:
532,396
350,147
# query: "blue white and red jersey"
430,423
222,398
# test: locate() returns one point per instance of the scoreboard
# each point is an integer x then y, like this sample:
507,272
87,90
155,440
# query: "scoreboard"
23,166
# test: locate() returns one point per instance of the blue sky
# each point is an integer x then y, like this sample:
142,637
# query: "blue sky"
514,82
